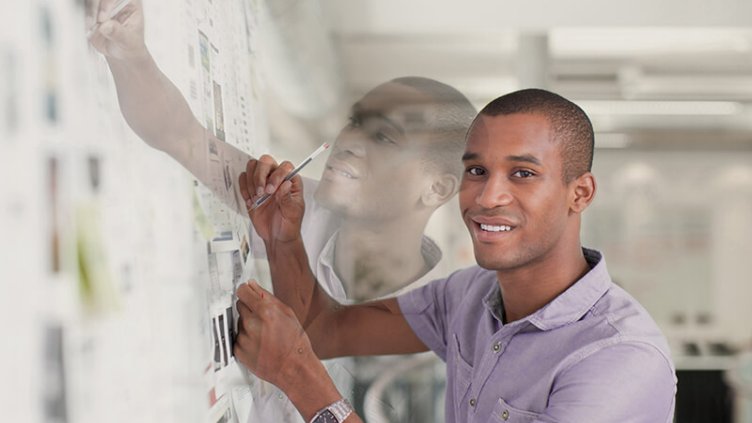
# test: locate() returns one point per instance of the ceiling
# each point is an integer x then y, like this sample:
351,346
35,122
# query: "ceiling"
652,73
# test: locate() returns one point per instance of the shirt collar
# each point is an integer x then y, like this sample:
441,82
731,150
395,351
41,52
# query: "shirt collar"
325,265
571,304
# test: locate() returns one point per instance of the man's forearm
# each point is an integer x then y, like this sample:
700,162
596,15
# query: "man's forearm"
152,105
294,283
158,113
309,387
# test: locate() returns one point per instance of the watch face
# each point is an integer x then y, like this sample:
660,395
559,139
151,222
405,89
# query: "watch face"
326,416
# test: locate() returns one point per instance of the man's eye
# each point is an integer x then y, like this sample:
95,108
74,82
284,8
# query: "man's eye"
523,174
381,137
475,171
353,122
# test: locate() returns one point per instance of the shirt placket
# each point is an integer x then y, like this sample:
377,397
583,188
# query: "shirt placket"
492,353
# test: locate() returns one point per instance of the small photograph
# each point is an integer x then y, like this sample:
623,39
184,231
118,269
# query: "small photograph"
51,98
54,405
227,176
230,328
244,249
217,357
223,236
53,206
203,41
224,343
219,114
237,268
214,279
213,148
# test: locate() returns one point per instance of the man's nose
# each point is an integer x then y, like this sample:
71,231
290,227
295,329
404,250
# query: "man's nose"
351,141
496,192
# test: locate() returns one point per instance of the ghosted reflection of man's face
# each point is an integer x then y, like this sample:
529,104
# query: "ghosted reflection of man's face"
376,169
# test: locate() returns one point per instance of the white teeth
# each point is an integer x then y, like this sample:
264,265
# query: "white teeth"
494,228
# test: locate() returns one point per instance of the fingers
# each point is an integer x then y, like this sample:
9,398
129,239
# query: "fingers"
107,7
114,31
265,176
254,297
283,191
244,311
243,185
247,186
266,164
289,187
277,176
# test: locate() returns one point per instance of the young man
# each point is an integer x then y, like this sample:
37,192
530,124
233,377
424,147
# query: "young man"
536,333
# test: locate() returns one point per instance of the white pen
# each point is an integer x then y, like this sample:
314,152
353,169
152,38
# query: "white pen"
119,6
261,200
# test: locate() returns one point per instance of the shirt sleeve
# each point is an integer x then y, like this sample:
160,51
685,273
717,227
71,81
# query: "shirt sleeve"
626,382
429,309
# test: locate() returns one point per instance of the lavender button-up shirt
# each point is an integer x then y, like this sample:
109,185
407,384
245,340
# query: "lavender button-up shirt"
593,354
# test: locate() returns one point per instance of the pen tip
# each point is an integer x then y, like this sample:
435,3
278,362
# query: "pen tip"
326,145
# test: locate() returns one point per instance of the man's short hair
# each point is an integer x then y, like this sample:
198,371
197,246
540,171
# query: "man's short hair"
571,126
452,117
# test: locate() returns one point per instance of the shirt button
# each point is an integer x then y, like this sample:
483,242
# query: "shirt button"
505,415
472,402
497,347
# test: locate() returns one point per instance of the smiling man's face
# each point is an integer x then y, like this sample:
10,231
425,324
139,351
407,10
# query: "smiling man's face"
513,197
376,168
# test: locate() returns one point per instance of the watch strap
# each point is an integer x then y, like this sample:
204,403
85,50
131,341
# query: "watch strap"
339,409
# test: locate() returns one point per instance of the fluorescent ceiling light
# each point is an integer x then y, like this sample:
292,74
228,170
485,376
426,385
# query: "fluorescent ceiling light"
616,42
662,108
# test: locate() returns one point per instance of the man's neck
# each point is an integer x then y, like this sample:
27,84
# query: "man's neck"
526,290
375,259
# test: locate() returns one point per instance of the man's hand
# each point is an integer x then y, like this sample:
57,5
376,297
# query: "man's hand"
121,37
270,342
280,217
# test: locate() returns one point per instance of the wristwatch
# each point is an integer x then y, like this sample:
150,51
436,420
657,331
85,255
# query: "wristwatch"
334,413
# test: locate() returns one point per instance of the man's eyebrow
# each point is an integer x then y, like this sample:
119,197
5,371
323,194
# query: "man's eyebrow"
527,158
358,110
469,156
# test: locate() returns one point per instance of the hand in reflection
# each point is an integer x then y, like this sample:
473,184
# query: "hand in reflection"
270,342
117,37
280,217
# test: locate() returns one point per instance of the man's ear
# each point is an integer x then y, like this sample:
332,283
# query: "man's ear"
581,192
441,189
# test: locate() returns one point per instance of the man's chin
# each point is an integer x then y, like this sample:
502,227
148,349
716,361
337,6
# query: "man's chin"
495,263
327,197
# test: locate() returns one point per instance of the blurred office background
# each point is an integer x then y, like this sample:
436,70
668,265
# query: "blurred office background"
667,84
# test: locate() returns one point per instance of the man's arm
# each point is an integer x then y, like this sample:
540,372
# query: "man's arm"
154,107
335,330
